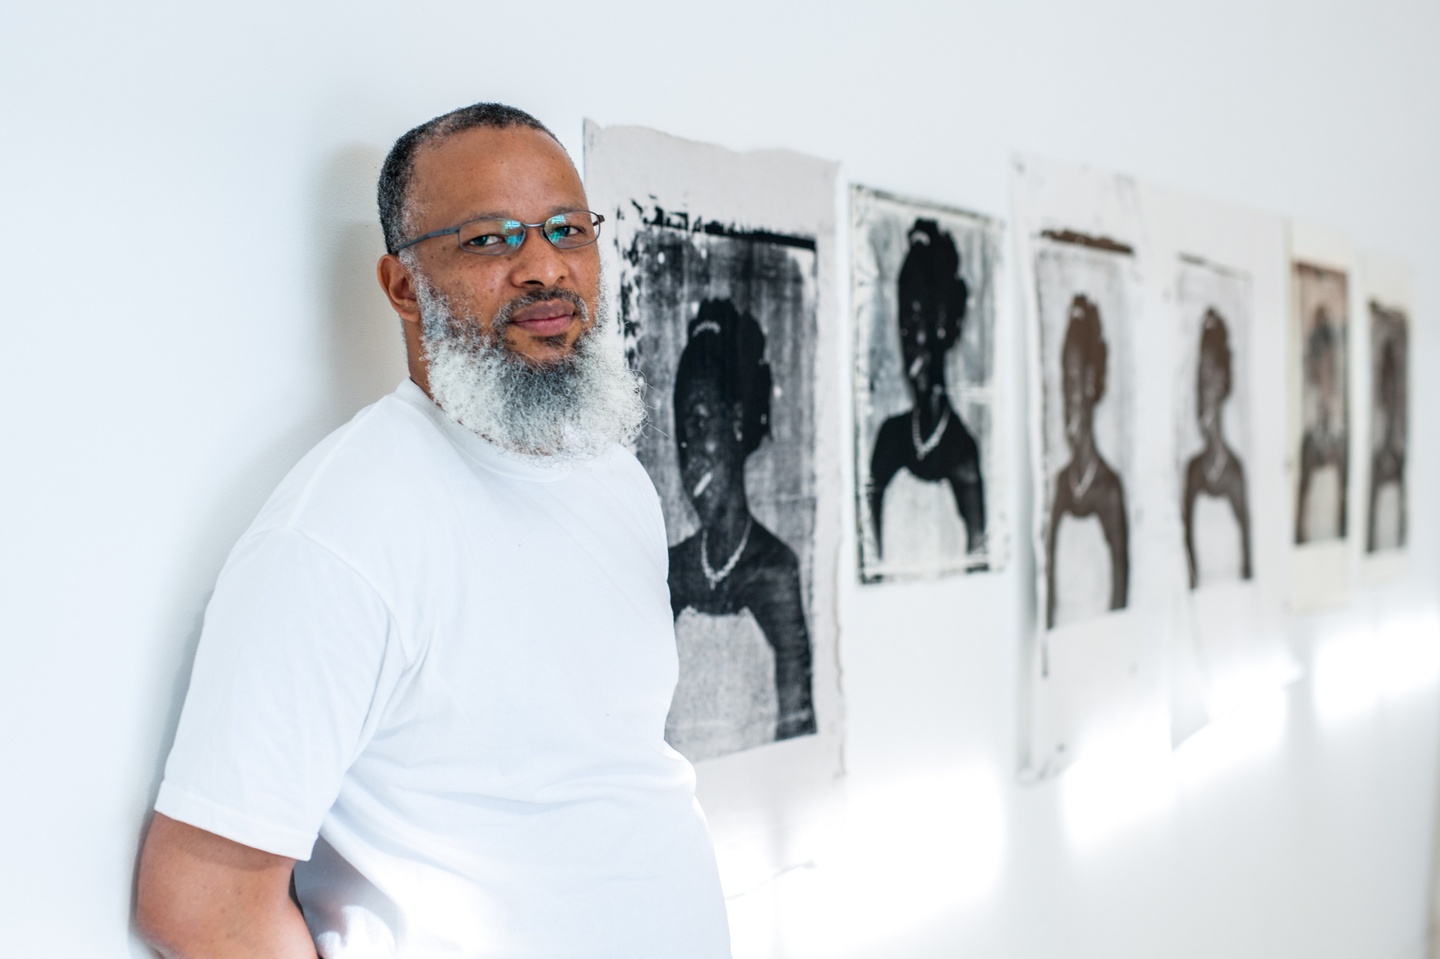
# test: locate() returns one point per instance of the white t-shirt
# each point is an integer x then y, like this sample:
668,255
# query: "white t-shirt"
453,666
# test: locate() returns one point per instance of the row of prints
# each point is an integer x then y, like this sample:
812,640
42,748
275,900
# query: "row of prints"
1194,371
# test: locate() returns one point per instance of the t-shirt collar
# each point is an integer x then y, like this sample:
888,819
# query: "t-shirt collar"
490,455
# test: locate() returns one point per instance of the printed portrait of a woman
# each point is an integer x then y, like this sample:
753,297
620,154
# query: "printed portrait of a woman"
734,585
1088,530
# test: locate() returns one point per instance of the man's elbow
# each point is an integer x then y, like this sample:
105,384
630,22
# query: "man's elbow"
159,923
200,894
162,918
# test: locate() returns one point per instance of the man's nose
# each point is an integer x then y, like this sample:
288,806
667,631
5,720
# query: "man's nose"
538,262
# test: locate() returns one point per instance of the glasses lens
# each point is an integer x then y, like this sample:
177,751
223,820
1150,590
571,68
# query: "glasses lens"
569,230
491,237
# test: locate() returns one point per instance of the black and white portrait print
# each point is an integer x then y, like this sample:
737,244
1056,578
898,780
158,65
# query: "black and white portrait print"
1385,524
1213,417
1323,458
925,394
721,322
1084,294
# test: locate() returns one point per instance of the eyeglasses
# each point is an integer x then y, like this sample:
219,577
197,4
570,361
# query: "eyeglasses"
497,237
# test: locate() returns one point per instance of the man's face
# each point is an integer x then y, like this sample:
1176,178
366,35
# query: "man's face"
515,173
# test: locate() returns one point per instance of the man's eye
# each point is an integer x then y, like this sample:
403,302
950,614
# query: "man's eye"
485,239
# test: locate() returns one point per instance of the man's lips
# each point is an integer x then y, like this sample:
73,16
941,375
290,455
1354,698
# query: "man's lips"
545,319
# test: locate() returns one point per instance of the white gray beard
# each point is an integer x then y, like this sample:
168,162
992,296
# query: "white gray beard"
574,408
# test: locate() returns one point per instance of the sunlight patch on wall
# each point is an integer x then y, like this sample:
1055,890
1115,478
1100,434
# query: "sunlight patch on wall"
1249,731
912,850
1346,678
1118,783
1409,655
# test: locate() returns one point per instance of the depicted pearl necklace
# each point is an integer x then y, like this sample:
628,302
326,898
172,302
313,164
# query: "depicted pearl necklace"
1078,490
925,448
717,576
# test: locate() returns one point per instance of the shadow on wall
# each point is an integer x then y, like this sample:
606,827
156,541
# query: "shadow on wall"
362,358
366,351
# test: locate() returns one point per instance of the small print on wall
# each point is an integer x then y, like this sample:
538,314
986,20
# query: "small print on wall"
930,495
1213,419
1323,457
1386,513
1100,428
1221,300
1083,297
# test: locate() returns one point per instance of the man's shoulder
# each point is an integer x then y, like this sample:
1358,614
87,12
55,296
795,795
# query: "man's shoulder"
363,473
625,465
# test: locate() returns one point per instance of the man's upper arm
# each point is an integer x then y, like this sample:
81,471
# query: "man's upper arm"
200,894
295,663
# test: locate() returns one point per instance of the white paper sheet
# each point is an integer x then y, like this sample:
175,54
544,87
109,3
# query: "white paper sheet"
1098,385
1225,297
724,278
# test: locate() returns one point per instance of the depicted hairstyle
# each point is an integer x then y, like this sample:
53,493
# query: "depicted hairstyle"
727,348
930,274
393,191
1215,343
1083,335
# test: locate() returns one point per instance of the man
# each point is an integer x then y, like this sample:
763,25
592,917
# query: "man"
434,675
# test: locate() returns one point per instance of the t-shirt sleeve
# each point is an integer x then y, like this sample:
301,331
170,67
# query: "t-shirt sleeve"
297,658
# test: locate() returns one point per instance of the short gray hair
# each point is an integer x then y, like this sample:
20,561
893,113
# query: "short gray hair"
392,193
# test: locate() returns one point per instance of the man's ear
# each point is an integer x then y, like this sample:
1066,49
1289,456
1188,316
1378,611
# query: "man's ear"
399,286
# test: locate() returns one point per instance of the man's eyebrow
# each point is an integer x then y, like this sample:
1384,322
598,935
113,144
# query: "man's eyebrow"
506,215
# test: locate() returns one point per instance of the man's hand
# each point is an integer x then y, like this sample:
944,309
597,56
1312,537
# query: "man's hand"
205,897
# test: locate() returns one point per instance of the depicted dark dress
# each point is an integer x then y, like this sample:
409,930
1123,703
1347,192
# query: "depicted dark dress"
953,459
764,581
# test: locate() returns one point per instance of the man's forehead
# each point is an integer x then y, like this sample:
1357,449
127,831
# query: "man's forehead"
486,170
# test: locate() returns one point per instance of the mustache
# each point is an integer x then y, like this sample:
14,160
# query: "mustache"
506,314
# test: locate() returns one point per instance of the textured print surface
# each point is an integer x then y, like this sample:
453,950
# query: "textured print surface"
1321,297
721,322
1085,295
931,491
1212,422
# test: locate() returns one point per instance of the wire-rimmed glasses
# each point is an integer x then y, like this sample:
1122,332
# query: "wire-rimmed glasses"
499,236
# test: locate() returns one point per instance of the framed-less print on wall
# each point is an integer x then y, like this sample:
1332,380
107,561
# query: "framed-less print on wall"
722,276
931,490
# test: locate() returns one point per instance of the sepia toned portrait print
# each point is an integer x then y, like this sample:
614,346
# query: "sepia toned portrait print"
1320,499
1083,302
1385,525
1213,421
925,393
721,322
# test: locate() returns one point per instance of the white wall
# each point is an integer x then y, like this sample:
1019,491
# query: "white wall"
189,305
